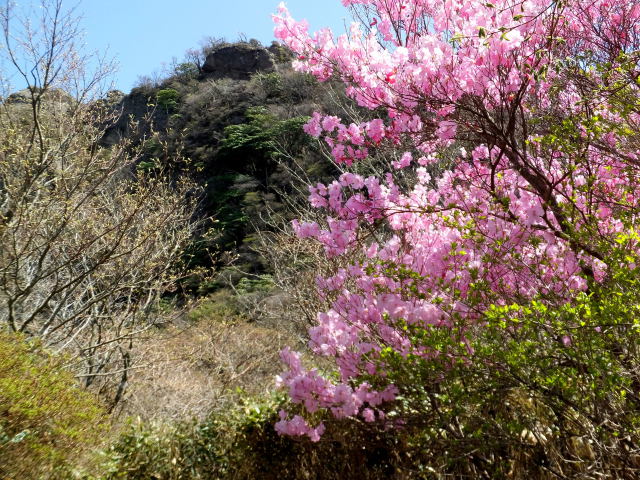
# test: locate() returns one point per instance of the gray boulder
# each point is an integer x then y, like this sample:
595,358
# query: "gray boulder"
238,62
54,95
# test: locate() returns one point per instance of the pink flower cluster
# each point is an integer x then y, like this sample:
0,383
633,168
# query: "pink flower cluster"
518,212
310,389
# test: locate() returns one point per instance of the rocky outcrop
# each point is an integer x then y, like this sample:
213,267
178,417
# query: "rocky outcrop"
52,95
134,115
238,61
23,96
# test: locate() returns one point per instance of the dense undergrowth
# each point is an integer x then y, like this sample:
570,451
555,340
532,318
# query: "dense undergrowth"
526,404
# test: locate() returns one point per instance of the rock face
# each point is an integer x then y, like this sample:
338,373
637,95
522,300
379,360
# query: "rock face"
23,96
52,95
238,62
128,108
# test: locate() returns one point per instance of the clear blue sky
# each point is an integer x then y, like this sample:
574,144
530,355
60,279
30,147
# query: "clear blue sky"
142,34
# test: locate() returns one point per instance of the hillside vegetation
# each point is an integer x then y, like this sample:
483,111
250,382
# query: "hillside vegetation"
412,257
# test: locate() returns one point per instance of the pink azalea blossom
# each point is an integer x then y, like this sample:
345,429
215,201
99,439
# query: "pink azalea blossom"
457,82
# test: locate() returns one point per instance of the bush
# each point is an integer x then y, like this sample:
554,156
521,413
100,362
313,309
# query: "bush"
189,449
168,99
46,422
539,390
241,444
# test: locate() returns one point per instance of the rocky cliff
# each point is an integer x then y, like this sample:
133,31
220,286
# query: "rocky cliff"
238,61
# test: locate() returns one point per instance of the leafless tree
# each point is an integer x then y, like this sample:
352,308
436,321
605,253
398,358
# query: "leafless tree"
89,241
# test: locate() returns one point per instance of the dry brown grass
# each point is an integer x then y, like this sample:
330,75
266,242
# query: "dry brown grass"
202,364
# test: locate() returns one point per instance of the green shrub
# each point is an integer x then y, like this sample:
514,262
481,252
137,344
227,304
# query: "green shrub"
220,306
260,284
187,70
165,452
271,84
188,450
46,422
168,99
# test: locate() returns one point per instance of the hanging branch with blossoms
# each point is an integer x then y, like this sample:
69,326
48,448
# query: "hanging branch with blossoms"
523,120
